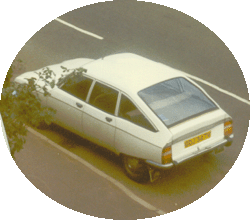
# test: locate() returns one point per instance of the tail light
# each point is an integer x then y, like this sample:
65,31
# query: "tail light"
228,127
166,155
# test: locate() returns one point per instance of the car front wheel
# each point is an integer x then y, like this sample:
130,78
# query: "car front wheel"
135,169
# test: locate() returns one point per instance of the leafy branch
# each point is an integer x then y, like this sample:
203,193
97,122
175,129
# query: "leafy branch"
20,106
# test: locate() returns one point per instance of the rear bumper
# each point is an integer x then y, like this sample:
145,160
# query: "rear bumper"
217,147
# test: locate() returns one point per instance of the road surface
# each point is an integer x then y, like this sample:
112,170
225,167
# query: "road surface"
163,35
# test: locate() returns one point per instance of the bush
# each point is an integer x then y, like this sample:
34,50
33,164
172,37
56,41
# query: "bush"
20,106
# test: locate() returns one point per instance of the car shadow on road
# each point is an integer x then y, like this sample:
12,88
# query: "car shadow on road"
185,177
177,187
83,148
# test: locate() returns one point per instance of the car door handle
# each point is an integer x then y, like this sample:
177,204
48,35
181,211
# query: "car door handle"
108,119
79,105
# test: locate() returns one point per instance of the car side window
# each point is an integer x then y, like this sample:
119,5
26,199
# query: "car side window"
131,113
78,86
104,98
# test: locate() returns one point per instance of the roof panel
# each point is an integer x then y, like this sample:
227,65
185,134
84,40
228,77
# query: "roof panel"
130,72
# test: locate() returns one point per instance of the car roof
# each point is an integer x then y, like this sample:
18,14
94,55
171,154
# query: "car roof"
130,72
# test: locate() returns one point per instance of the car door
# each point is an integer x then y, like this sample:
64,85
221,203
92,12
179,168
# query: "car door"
135,135
69,101
99,118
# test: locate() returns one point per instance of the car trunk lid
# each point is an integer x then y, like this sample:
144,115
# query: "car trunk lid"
197,134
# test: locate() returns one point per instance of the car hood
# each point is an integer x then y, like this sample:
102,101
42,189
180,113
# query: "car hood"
56,68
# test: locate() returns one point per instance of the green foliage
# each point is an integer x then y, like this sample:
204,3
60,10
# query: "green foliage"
20,106
72,75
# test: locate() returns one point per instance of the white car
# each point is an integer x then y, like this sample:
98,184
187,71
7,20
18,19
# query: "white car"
150,114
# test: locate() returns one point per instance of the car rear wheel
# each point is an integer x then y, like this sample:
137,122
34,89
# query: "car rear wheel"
135,169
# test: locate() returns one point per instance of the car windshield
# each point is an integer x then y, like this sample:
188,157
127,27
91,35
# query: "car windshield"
176,100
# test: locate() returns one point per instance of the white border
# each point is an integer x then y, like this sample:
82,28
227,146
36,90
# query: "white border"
21,19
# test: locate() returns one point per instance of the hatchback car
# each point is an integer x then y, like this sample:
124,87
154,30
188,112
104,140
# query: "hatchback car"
150,114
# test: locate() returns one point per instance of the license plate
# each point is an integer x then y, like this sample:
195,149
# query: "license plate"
197,139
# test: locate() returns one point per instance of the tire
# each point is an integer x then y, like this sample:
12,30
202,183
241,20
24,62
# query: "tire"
135,169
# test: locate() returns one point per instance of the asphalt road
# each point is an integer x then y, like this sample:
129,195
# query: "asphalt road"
74,185
158,33
161,34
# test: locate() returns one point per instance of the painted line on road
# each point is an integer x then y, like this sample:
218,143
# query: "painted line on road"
128,192
191,76
218,88
79,29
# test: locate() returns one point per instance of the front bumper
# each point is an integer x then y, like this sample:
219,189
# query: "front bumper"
217,147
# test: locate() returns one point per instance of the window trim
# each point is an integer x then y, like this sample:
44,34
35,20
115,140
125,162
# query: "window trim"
118,101
93,80
90,91
143,113
105,84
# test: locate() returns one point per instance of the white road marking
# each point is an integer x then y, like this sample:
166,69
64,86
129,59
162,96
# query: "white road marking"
79,29
100,173
191,76
218,88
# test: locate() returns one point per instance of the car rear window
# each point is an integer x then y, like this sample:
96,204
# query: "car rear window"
176,100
